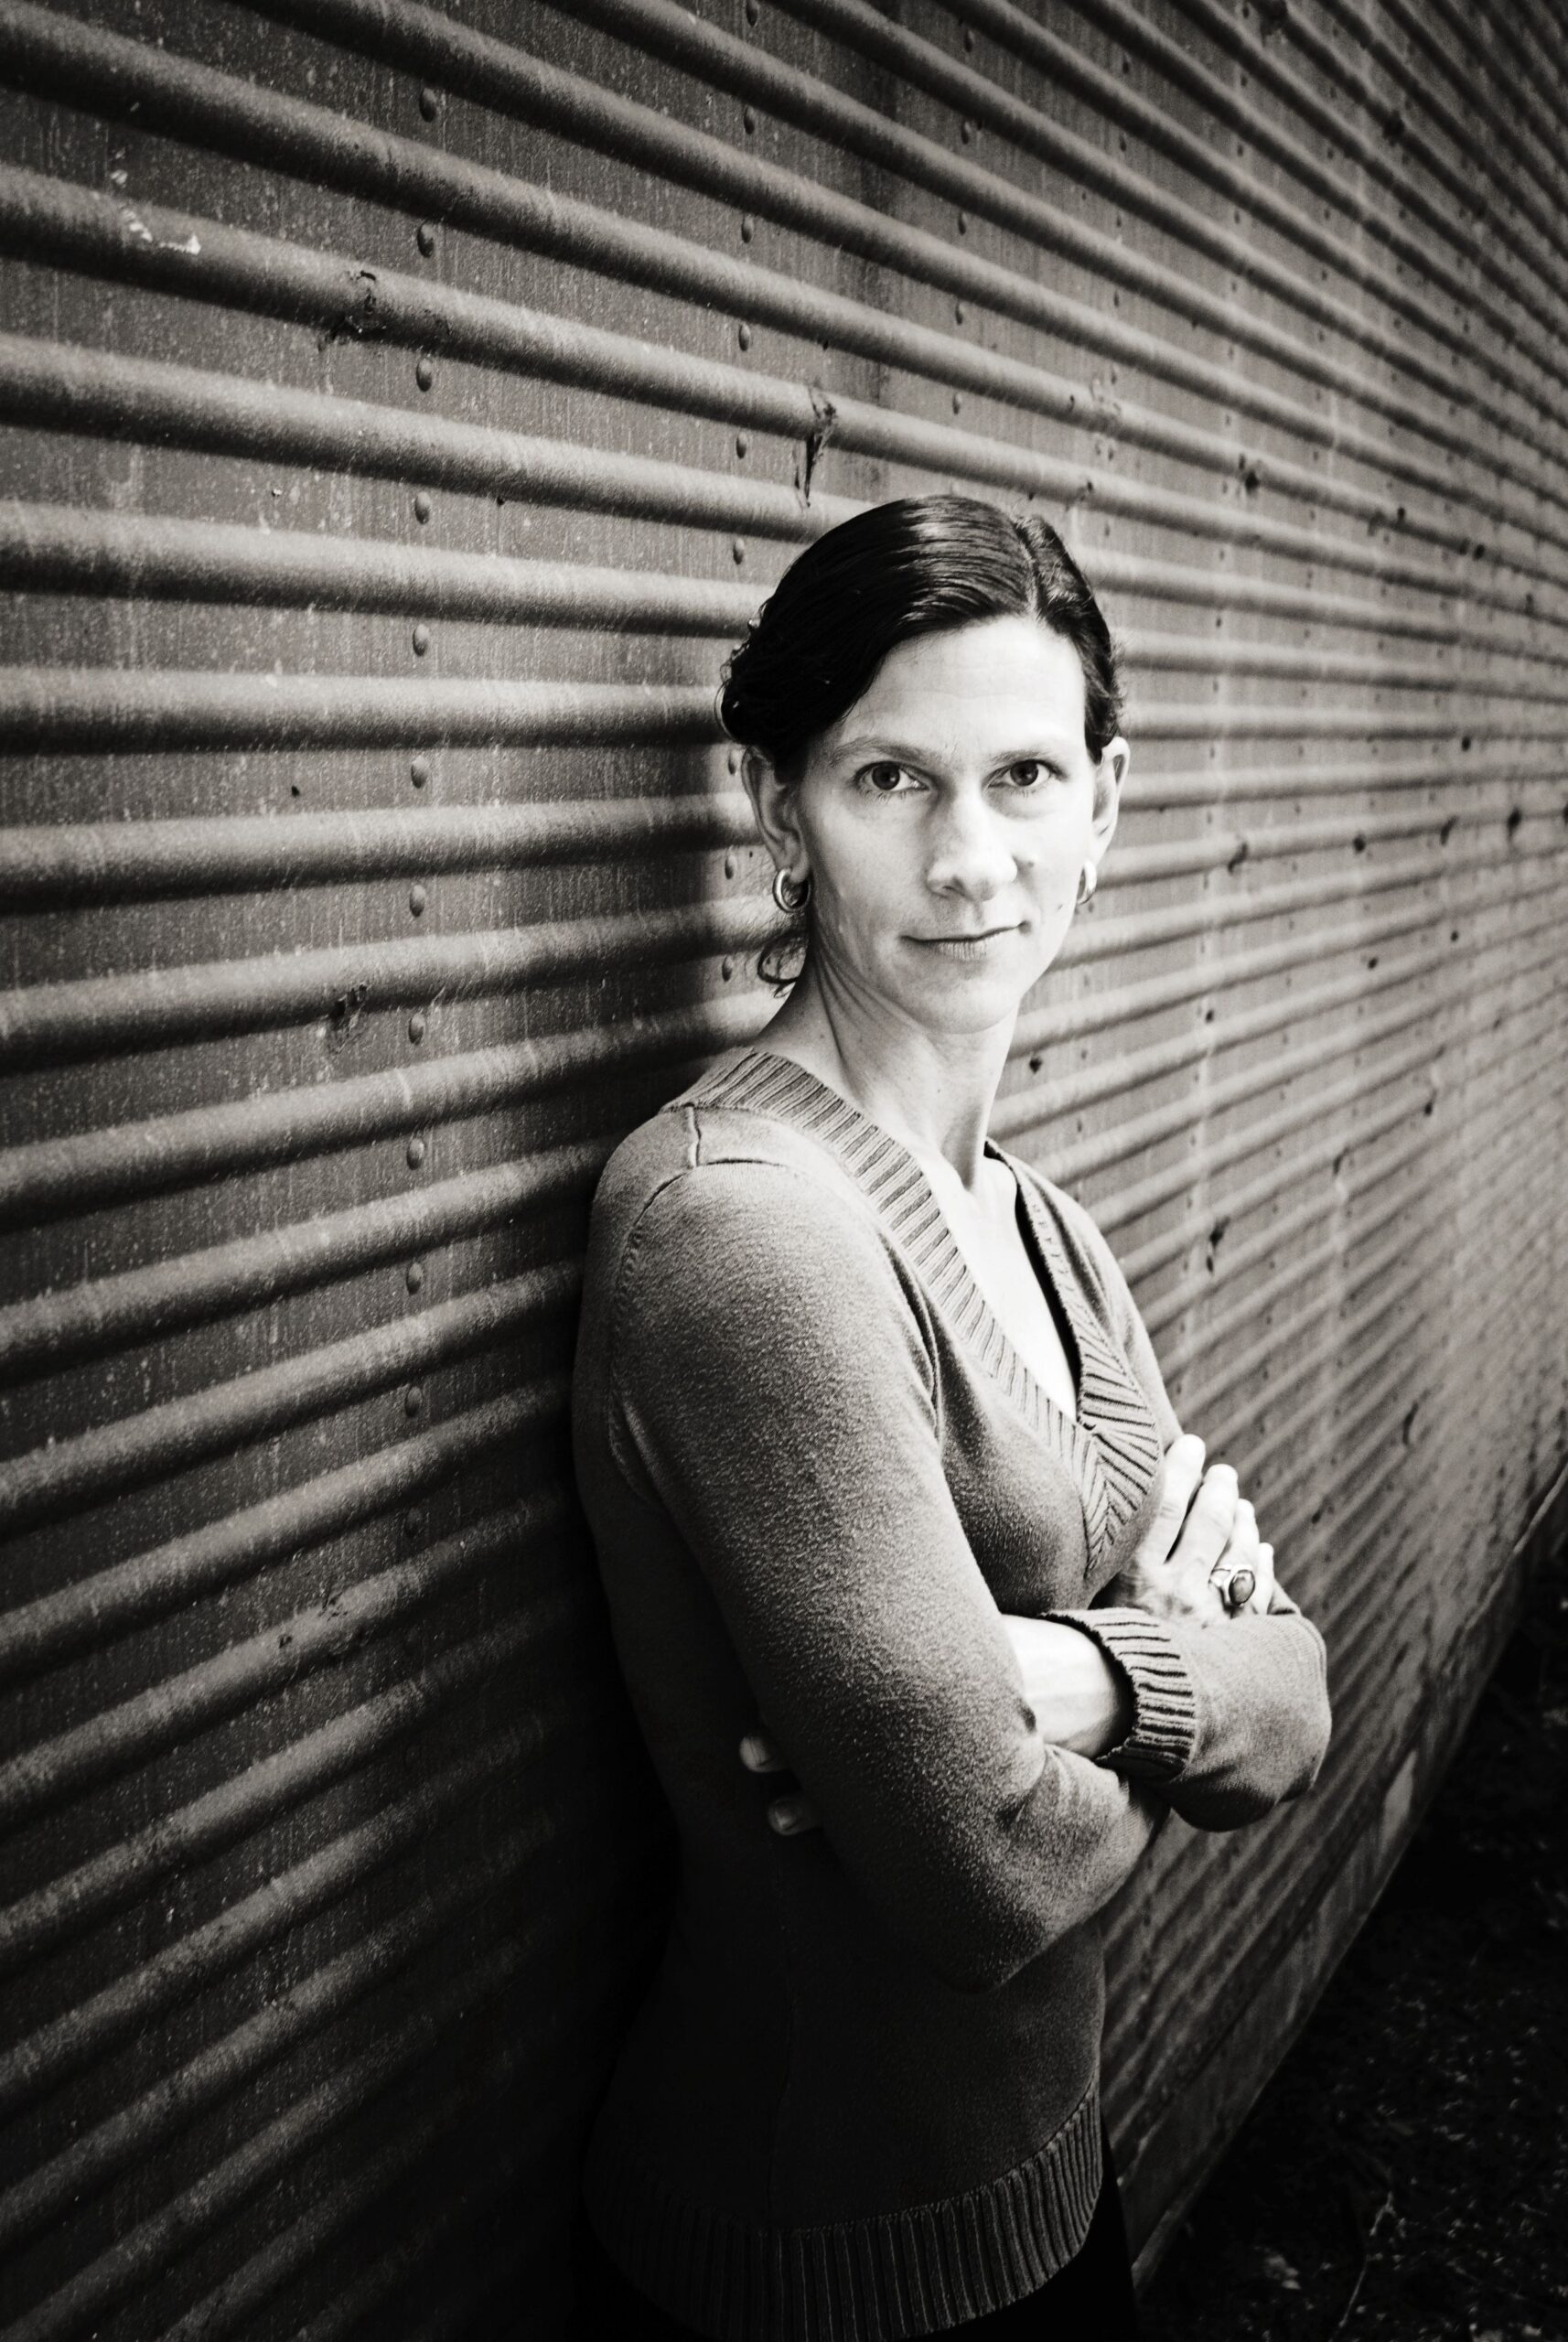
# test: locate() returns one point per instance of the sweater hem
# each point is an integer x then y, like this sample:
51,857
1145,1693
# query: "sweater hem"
890,2275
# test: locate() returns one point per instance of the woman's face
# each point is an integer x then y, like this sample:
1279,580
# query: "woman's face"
944,820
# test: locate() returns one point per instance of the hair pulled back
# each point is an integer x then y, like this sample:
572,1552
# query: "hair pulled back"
920,565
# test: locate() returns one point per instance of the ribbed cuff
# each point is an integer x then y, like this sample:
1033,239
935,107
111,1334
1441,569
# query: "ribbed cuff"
1165,1709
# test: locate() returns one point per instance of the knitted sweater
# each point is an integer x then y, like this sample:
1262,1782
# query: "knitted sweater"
861,2098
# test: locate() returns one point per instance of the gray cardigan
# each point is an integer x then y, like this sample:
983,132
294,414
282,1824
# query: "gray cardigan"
861,2099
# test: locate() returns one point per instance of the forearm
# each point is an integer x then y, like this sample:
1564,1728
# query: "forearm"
1079,1698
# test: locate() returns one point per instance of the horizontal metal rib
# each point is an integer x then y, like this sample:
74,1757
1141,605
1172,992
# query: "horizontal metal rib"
201,259
1128,1141
57,387
107,861
115,710
1160,127
92,1169
108,1882
1040,1029
502,76
1318,1155
179,1434
134,1732
98,1609
64,549
190,101
156,1007
1094,1084
1447,215
102,1315
270,2151
193,1964
141,2125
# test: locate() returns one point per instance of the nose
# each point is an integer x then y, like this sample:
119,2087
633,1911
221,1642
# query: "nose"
970,853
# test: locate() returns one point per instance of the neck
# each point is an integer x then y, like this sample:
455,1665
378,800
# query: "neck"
934,1091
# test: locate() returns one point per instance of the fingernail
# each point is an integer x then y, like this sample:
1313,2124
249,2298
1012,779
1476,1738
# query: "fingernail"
751,1749
784,1817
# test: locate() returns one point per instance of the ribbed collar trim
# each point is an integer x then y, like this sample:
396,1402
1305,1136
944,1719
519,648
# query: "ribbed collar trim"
1112,1447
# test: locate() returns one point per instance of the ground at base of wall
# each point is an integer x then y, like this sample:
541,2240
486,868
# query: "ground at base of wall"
1404,2177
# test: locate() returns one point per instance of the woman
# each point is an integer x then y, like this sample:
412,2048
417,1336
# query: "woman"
886,1488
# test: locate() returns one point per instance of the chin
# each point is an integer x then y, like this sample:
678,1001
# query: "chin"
974,1008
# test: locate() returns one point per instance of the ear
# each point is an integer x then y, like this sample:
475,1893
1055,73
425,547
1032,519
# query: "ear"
1109,775
774,804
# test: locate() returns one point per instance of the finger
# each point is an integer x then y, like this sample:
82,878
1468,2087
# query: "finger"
759,1755
1242,1546
1181,1473
790,1815
1207,1530
1263,1593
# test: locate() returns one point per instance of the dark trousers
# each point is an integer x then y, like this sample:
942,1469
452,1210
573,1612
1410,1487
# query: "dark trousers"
1091,2300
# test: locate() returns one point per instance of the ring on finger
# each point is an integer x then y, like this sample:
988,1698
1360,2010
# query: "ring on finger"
1236,1586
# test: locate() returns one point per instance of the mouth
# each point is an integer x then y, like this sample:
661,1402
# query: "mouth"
965,946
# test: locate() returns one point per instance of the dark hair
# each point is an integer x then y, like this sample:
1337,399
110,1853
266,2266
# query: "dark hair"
920,565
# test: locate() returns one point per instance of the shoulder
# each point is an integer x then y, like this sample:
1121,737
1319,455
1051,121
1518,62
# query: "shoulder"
722,1209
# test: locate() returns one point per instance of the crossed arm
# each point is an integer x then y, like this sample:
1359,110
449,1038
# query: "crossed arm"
1262,1720
754,1315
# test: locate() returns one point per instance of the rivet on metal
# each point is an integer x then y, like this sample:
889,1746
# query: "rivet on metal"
753,10
749,116
417,898
414,1522
414,1275
734,761
744,336
419,771
958,311
726,969
421,639
416,1152
742,444
422,507
729,866
737,549
425,238
747,229
429,104
423,373
964,223
416,1026
413,1400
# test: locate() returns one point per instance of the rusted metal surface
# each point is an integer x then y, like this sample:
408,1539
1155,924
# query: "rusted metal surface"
400,410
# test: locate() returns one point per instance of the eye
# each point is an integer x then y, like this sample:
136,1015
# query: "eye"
1028,772
884,778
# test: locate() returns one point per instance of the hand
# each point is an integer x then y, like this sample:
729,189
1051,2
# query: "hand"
1203,1523
790,1813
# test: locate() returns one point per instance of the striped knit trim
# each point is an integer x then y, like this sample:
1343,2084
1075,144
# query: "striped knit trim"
1165,1711
1110,1447
877,2280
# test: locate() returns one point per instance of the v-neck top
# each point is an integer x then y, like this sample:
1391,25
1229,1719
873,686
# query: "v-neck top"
1113,1444
861,2098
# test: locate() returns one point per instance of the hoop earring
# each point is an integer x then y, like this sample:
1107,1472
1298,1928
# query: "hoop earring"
1090,873
791,895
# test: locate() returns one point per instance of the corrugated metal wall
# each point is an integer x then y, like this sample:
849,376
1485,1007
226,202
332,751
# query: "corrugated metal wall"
403,409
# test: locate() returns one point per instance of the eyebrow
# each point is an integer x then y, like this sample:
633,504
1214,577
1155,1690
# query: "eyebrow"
1037,752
